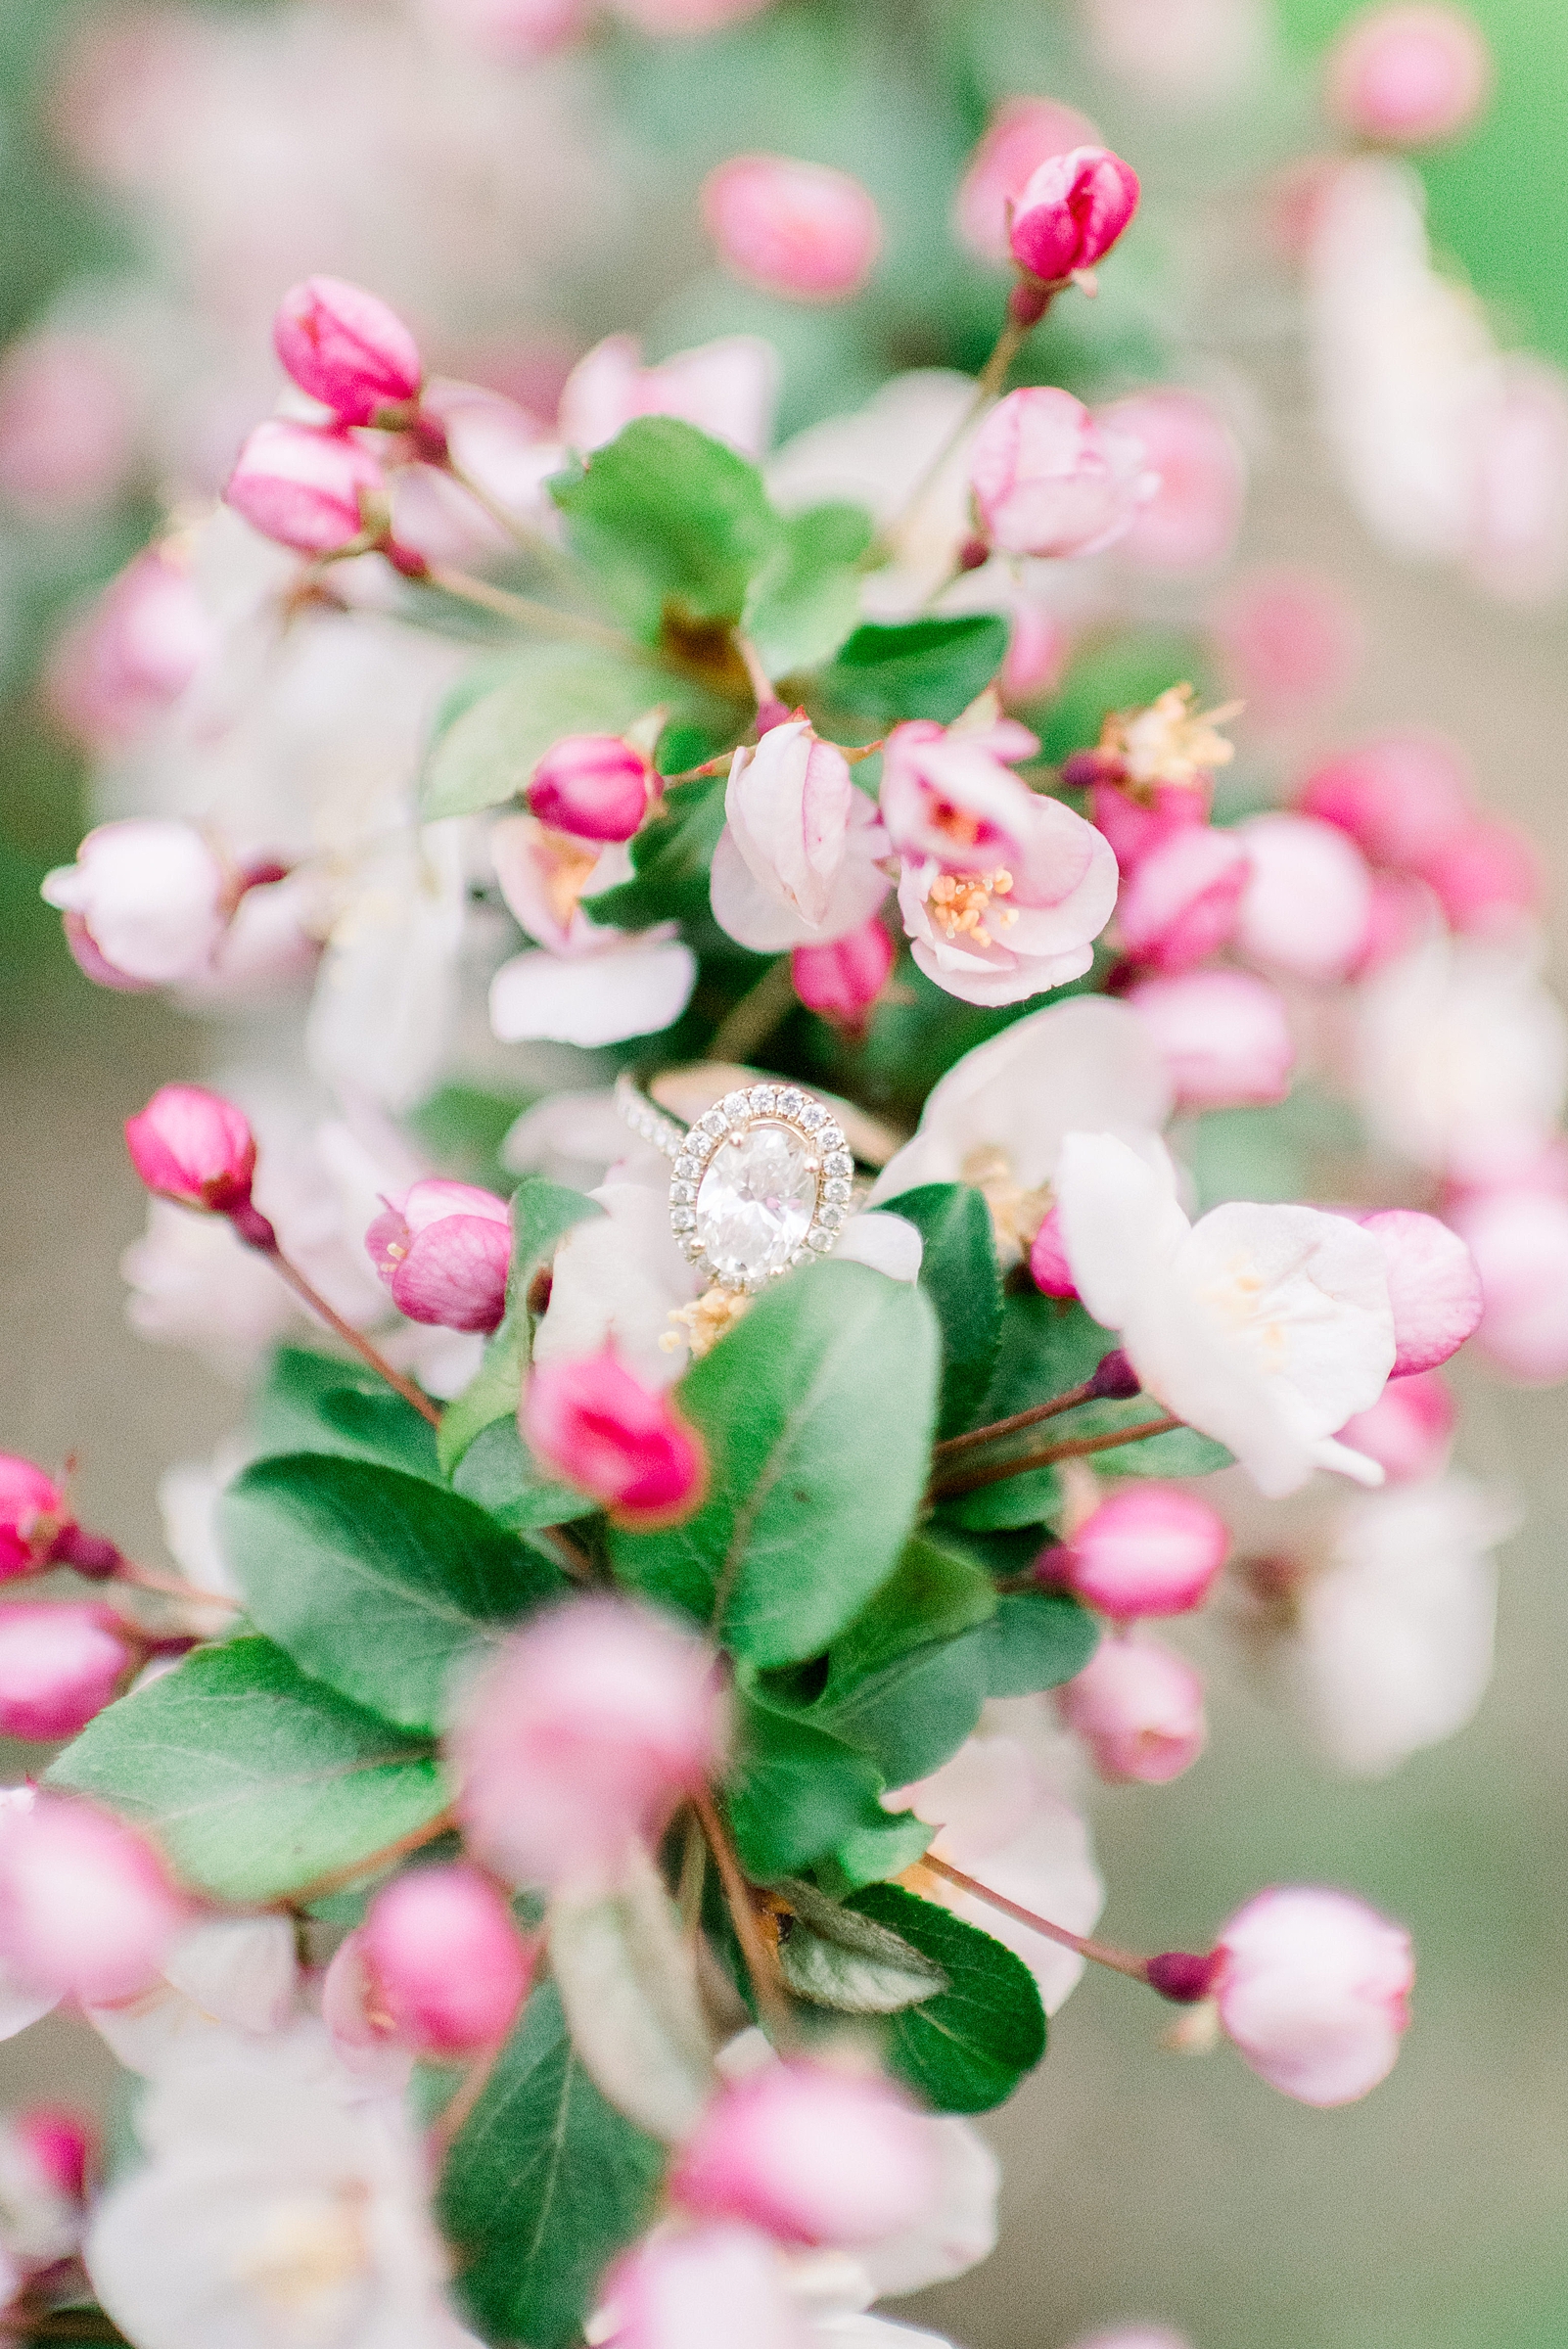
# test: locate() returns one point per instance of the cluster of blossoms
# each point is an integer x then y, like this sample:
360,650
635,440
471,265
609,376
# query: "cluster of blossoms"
604,1798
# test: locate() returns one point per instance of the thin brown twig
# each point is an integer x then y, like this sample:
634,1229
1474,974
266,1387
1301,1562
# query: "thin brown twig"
1020,1419
168,1586
530,613
457,2112
373,1863
1048,1454
772,2004
367,1352
1103,1952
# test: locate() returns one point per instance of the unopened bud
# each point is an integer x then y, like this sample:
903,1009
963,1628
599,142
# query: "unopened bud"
60,1665
347,350
1181,1977
1115,1379
445,1252
1178,905
1139,1709
1407,74
810,2155
594,786
843,980
195,1148
445,1961
149,898
1072,211
605,1432
308,487
86,1910
34,1511
1314,1990
1150,1549
799,229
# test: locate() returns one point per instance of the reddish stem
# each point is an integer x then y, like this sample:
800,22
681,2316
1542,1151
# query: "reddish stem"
1078,1448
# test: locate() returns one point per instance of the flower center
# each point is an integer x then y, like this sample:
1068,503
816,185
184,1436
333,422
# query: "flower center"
961,905
308,2248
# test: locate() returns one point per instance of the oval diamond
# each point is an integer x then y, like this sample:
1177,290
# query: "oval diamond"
757,1201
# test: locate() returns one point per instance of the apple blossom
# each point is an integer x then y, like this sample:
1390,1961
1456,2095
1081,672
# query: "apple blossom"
1307,902
1179,903
1193,517
1264,1328
727,389
133,653
86,1909
60,1663
794,228
444,1251
590,984
1224,1035
193,1148
597,1425
347,350
1408,1430
1486,876
843,980
1410,73
1518,1240
446,1963
1023,134
150,898
808,2155
305,486
225,1981
582,1736
1313,1990
1049,478
699,2290
594,786
1432,1287
1150,1549
33,1509
1072,209
1138,1709
798,861
1400,795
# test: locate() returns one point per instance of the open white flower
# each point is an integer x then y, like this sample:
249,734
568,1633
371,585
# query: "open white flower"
585,982
1264,1328
796,864
226,1979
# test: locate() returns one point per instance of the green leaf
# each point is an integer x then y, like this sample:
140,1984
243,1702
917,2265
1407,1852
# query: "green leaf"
253,1779
541,1212
959,1273
883,1847
797,1790
488,752
921,668
816,1411
545,2183
463,1128
1028,1500
915,1712
808,599
934,1593
387,1587
501,1474
628,1986
310,1401
836,1958
966,2049
1036,1640
676,526
670,858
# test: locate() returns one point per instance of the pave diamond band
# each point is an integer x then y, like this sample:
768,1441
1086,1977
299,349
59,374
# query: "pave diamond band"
759,1182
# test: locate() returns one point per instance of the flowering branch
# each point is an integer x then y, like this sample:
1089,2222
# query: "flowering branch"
1079,1447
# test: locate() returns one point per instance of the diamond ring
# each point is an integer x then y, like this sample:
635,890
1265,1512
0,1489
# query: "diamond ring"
761,1182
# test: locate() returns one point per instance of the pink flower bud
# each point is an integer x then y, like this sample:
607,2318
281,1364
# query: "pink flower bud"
445,1960
445,1252
1150,1549
1290,642
1308,903
594,786
32,1510
843,980
307,487
1519,1241
1408,1430
797,229
86,1910
62,2147
195,1148
1487,875
1401,796
1023,134
60,1663
1225,1036
1432,1287
150,896
1134,828
711,2288
810,2155
607,1433
582,1738
133,655
1050,480
1049,1266
1139,1709
1178,905
1193,517
1314,1990
1072,211
347,349
1401,918
1407,74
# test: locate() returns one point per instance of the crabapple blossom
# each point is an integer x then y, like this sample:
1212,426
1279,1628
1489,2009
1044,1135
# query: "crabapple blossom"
133,653
305,486
1313,1989
1023,134
795,228
1408,1430
1049,478
1150,1549
590,984
620,1278
1432,1287
1193,517
1264,1328
60,1663
1518,1240
582,1738
86,1909
697,2290
149,896
727,389
1409,73
1224,1035
1072,210
594,786
1179,902
808,2155
798,861
444,1251
1307,902
597,1425
446,1963
1486,876
225,1981
1400,795
193,1148
841,982
347,350
32,1510
1139,1708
